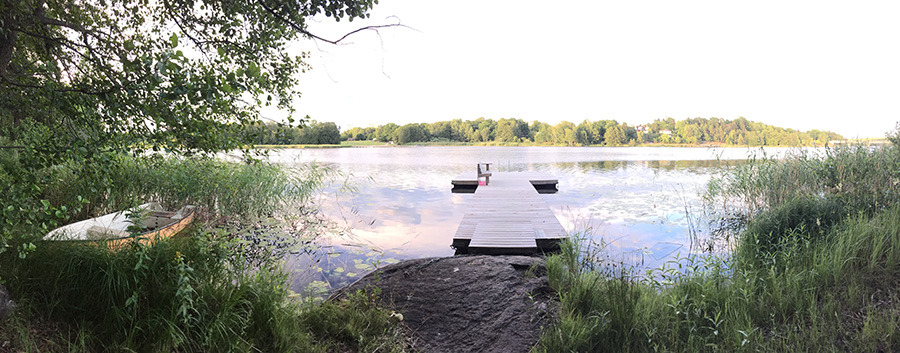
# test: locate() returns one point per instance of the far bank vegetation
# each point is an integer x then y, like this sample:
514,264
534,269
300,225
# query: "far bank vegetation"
696,131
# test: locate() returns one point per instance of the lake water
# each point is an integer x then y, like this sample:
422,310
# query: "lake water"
395,203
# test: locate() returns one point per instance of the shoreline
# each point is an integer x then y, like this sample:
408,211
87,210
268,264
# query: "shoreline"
483,144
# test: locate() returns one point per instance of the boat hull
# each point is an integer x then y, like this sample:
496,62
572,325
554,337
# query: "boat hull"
113,229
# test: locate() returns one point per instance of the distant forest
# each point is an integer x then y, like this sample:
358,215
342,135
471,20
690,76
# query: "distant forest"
737,132
312,133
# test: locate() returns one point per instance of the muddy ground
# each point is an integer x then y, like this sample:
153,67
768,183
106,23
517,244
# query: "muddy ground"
466,303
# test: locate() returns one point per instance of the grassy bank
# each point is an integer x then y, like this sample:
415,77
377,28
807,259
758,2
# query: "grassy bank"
190,294
815,269
209,290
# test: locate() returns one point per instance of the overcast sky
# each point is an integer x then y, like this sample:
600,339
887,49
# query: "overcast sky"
798,64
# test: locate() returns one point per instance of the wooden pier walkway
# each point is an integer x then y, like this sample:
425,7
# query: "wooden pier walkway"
508,216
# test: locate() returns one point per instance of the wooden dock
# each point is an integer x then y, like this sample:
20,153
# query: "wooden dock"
508,216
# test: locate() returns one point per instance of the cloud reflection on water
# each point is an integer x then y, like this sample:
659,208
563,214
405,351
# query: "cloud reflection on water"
633,199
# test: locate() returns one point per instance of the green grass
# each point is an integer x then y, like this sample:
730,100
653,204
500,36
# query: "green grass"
863,178
77,190
815,270
204,292
188,294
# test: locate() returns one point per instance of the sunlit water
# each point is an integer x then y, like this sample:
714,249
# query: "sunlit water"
641,202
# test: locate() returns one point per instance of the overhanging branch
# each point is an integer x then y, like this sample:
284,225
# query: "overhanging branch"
366,28
300,28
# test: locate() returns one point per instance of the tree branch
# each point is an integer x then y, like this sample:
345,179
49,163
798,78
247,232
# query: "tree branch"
366,28
54,22
300,28
79,90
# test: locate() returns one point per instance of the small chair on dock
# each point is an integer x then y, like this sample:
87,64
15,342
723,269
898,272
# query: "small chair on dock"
486,173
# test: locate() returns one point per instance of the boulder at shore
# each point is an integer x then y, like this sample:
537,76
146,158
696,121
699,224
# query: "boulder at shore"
466,303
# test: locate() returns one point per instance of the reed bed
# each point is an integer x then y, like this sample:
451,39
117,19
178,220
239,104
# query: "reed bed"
254,188
203,291
815,269
186,294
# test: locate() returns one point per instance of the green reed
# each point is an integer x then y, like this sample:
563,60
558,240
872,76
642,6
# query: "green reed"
189,294
198,292
815,269
864,178
253,188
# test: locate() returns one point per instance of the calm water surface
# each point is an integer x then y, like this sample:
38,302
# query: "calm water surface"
399,205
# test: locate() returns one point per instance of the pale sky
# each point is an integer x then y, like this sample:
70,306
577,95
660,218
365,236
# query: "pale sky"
796,64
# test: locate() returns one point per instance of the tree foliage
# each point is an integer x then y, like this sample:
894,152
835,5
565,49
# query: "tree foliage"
738,132
83,80
174,74
311,133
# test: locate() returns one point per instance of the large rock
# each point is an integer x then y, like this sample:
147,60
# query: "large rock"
7,306
467,303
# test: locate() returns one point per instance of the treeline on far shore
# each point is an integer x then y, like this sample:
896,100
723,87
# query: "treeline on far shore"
310,133
696,131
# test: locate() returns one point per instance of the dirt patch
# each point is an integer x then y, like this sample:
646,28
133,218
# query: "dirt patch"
466,303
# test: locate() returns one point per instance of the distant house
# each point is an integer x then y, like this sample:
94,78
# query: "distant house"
666,131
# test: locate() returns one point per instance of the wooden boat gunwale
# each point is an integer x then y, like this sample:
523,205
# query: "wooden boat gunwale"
152,236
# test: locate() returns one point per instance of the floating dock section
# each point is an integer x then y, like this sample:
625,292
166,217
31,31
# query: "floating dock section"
507,216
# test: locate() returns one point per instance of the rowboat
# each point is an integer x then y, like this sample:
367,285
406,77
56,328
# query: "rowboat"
147,221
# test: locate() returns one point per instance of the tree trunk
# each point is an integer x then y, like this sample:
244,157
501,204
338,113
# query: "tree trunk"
7,42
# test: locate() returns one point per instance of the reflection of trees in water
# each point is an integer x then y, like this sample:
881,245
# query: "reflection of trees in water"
692,166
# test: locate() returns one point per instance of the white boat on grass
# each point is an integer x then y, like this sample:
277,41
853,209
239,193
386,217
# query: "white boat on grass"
148,221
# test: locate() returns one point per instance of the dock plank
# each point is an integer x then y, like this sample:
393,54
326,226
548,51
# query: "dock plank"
508,213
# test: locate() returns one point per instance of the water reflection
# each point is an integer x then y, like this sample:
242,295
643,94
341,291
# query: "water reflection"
635,200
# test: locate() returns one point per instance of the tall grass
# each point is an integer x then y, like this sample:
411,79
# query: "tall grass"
188,294
251,189
864,178
816,269
202,292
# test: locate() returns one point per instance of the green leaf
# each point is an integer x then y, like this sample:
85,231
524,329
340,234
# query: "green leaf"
252,70
129,45
174,40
